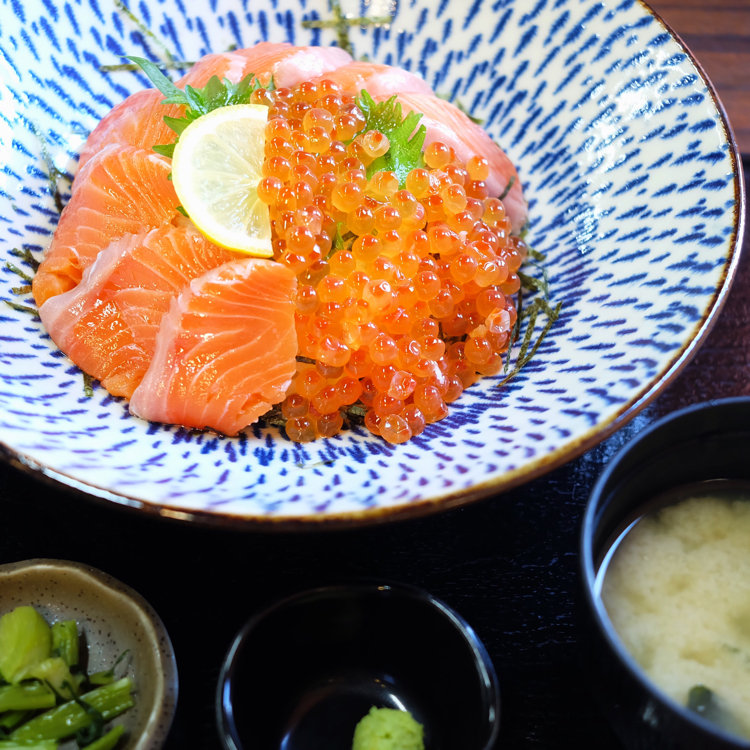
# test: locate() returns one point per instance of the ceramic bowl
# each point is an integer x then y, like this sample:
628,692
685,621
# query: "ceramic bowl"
705,446
303,672
635,200
112,618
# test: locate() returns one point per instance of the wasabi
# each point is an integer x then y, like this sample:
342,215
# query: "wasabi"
388,729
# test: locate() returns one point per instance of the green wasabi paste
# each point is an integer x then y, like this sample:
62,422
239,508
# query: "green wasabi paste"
388,729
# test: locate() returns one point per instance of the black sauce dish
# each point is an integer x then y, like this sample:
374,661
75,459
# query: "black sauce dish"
704,445
301,673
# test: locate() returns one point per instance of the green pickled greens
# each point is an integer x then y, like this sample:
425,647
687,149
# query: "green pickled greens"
12,718
65,641
26,696
70,717
25,640
54,672
107,741
45,695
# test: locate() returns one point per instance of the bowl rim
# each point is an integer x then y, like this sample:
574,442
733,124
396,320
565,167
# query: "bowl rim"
162,713
480,655
588,569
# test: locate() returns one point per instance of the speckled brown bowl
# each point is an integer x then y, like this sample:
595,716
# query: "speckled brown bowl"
113,618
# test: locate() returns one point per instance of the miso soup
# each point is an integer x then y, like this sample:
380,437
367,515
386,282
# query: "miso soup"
676,586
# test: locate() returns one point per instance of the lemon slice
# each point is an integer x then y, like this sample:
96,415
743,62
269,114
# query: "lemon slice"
216,168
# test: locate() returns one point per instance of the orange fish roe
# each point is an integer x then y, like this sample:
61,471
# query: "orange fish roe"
404,291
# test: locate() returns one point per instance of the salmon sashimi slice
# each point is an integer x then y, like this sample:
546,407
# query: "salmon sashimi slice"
122,190
287,64
228,65
108,323
135,121
226,349
380,81
447,123
138,120
290,65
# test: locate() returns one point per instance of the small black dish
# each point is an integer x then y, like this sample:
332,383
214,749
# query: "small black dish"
301,674
705,444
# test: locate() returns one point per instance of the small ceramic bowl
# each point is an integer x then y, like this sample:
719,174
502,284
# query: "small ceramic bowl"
702,447
303,672
113,618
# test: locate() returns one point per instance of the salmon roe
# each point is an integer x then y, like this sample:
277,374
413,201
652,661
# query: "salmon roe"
403,289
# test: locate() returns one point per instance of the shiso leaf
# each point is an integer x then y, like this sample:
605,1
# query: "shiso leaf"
405,135
197,101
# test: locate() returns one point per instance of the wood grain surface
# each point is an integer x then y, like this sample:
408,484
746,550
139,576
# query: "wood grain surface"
718,35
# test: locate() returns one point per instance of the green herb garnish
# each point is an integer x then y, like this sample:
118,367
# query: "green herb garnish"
706,703
197,101
701,700
405,135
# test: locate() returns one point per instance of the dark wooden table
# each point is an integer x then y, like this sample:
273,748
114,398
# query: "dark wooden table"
718,34
507,564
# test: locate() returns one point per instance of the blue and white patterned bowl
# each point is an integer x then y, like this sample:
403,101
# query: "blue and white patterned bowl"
635,195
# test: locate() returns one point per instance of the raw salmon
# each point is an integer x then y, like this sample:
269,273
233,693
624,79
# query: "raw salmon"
447,123
225,351
380,81
289,65
108,323
135,121
191,333
139,119
122,190
228,65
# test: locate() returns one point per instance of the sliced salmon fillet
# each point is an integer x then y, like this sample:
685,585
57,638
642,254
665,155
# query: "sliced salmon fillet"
290,65
225,351
139,119
287,64
108,323
122,190
221,64
447,123
135,121
380,81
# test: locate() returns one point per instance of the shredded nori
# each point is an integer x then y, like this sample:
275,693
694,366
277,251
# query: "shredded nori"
343,24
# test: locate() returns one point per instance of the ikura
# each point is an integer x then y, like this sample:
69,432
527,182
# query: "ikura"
404,290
